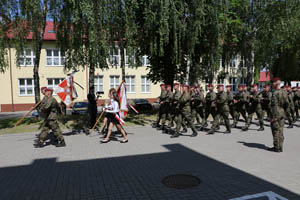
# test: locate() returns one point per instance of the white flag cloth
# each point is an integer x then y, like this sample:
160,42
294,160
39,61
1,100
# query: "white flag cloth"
123,100
66,90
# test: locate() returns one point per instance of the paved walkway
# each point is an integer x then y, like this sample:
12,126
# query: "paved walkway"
229,166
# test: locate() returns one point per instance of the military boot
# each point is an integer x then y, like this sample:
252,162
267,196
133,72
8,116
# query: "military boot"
274,149
217,128
61,143
246,127
211,131
290,126
162,127
261,128
194,134
39,144
205,124
228,130
234,125
175,135
184,130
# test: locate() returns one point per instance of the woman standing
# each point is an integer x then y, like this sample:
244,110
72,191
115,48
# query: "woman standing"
111,110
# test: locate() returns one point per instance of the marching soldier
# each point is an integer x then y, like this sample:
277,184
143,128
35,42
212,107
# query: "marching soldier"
279,104
193,104
176,105
247,93
241,101
166,109
296,101
291,96
255,107
50,109
185,110
161,98
210,104
266,100
232,109
222,110
287,111
199,103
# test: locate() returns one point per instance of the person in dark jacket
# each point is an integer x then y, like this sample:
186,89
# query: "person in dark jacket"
92,107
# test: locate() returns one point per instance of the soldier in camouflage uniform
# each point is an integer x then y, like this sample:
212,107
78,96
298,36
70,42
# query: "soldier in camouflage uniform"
193,93
247,93
185,111
199,100
166,110
291,96
266,100
44,100
255,107
241,100
210,104
176,105
232,108
222,110
279,103
50,109
288,113
161,98
296,101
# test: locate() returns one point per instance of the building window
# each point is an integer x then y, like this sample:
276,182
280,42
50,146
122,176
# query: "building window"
145,61
53,83
243,81
55,57
26,87
145,84
114,57
233,82
114,81
99,84
27,58
130,84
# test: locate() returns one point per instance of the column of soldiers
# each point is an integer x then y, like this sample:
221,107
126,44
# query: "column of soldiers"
188,104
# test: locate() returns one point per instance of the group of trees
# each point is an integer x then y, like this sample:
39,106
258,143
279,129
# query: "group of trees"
184,39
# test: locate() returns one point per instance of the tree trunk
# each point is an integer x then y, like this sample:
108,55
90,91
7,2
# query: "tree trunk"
91,76
122,54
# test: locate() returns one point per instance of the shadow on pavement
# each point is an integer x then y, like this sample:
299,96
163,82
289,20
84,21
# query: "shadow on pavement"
253,145
132,177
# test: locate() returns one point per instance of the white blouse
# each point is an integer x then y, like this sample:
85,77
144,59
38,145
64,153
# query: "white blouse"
113,107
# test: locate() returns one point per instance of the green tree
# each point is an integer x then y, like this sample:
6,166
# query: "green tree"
81,28
25,22
122,30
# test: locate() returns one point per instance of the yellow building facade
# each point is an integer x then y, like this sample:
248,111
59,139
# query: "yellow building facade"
17,87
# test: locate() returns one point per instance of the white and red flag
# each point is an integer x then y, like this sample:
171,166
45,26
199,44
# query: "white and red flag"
66,90
123,100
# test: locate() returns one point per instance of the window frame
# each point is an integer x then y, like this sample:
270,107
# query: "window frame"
144,85
114,83
52,57
129,84
25,87
24,57
96,85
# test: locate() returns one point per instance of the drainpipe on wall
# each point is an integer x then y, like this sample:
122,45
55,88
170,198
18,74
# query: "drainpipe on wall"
11,82
87,79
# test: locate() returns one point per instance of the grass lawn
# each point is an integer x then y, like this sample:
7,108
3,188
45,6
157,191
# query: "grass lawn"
75,123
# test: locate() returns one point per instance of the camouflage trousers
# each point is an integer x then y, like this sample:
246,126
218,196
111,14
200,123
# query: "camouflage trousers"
180,117
277,132
221,114
210,110
51,125
290,114
259,114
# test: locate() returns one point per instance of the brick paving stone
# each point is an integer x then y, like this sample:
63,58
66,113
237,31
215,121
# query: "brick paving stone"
229,166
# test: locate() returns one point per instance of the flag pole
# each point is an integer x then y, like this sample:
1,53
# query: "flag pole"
34,107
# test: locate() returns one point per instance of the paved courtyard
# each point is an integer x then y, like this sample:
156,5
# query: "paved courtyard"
234,166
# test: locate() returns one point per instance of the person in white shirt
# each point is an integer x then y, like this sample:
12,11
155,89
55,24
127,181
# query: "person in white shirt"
111,110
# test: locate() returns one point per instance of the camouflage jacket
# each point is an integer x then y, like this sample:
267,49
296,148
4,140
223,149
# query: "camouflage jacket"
291,97
50,109
176,98
297,98
255,99
163,95
199,99
230,98
42,115
185,102
222,102
241,97
210,99
266,98
279,104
